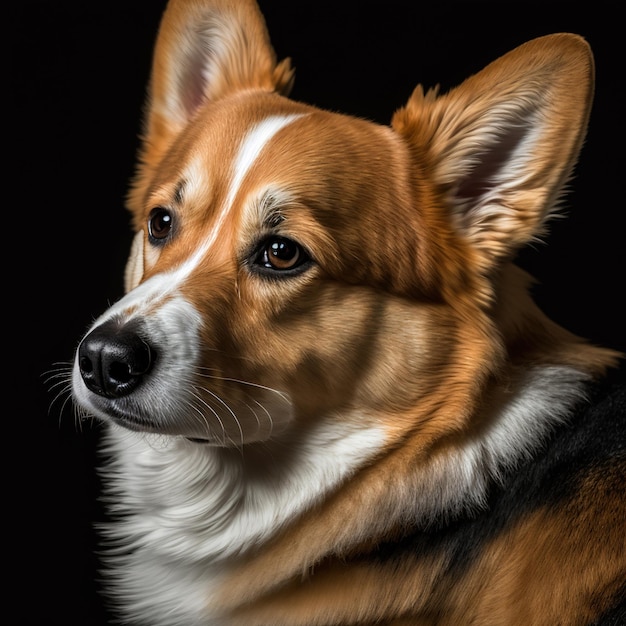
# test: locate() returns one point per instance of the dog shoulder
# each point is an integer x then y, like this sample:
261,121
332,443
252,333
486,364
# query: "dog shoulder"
549,546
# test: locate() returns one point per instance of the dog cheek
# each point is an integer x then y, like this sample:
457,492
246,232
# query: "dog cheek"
322,347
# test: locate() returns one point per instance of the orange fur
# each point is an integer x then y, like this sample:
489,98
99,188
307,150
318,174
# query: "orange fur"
411,321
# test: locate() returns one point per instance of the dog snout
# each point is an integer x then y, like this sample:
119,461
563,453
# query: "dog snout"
114,358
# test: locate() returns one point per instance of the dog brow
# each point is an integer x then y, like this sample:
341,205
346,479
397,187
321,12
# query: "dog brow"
249,151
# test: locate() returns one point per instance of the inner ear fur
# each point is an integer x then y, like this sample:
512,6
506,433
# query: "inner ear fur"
499,149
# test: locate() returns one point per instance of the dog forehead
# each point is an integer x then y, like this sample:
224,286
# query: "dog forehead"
209,161
259,134
237,148
223,128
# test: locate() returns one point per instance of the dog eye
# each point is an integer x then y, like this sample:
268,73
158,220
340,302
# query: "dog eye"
280,254
159,224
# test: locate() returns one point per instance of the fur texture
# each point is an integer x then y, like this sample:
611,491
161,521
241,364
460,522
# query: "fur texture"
329,397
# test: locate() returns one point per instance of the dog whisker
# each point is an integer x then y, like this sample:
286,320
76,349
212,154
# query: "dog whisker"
59,382
239,381
252,386
270,421
201,416
196,394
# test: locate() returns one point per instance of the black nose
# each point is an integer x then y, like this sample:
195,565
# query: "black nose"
113,358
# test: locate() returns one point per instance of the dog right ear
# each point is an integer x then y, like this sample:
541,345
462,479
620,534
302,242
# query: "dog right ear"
499,149
204,50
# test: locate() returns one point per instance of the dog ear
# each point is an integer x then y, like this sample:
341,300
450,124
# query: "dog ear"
500,148
204,50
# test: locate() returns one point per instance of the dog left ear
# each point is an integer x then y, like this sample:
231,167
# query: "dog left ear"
499,148
206,49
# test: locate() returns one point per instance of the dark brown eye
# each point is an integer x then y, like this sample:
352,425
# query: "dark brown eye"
280,254
159,224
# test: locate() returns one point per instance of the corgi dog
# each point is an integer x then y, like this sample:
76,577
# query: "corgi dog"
328,397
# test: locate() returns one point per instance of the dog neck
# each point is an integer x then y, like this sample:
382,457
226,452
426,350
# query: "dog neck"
232,499
235,499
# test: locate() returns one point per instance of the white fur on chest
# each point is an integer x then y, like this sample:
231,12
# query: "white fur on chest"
189,509
186,509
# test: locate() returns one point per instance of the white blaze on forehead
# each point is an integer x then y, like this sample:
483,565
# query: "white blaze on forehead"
249,152
250,149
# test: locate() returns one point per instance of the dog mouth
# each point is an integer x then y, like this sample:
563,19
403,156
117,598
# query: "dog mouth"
141,425
130,422
144,426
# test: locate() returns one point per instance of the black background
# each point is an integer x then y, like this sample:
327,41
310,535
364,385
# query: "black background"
77,74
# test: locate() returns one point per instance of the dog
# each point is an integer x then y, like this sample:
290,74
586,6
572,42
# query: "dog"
327,394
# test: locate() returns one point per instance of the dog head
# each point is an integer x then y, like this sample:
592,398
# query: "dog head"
291,263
